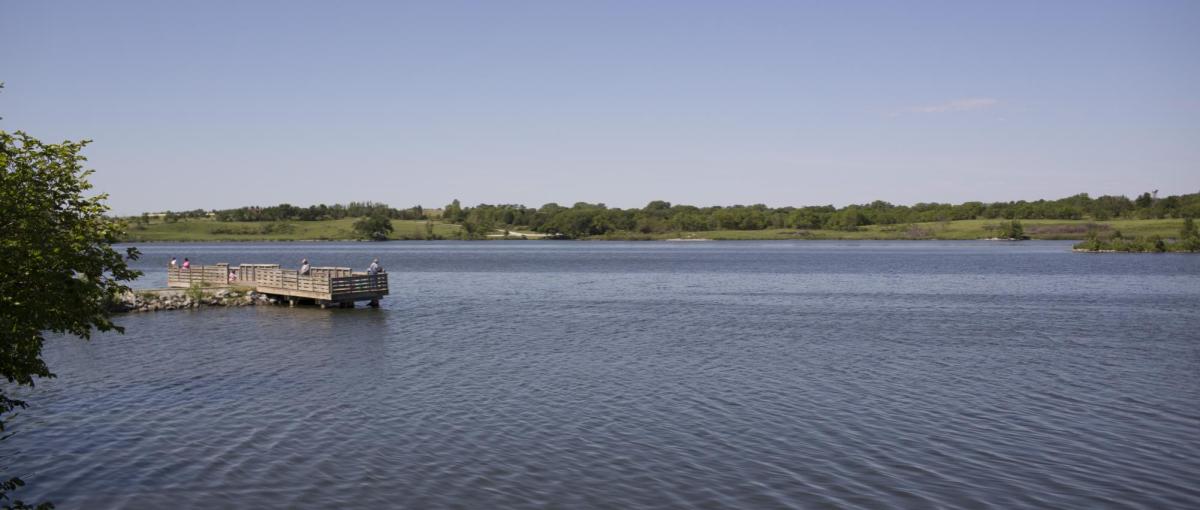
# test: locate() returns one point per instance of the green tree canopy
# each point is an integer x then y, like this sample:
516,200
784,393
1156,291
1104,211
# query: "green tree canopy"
59,271
375,227
1189,236
1012,230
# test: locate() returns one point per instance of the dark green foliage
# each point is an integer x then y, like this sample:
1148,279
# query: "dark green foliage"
453,212
60,270
1152,244
288,212
474,230
849,218
1189,237
376,227
1012,230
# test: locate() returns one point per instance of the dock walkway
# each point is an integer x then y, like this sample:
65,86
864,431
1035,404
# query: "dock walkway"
325,286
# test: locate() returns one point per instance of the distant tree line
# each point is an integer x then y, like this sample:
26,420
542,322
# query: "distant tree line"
584,219
174,216
288,212
283,212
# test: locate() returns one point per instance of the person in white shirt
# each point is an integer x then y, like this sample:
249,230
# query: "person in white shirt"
374,269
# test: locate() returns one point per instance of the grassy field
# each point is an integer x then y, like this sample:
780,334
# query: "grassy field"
951,230
329,230
336,230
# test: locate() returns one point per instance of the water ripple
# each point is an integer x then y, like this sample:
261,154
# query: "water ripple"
786,375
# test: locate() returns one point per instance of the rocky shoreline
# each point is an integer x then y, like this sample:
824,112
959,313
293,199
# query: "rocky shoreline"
182,299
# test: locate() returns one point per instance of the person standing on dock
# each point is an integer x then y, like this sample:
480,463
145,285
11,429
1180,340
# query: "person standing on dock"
187,264
374,269
173,264
304,267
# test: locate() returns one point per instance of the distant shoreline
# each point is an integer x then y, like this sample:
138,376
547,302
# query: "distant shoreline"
211,231
586,239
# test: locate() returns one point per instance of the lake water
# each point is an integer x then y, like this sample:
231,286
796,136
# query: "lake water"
620,375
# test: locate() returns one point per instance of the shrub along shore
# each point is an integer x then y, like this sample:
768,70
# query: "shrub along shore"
1188,240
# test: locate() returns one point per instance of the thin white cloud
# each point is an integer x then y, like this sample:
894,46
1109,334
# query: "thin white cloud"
957,105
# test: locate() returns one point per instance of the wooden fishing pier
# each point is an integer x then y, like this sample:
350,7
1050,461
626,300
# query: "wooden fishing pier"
323,286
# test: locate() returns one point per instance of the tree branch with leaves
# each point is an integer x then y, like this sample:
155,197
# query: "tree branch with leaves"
59,271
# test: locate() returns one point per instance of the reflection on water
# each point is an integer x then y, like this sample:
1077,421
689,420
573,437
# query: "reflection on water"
645,374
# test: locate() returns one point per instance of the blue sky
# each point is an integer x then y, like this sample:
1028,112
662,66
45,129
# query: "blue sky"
221,104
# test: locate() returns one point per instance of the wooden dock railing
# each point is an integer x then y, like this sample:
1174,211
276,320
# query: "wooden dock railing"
207,276
332,272
322,284
359,283
247,274
290,279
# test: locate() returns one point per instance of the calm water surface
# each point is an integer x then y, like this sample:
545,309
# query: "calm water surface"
575,374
